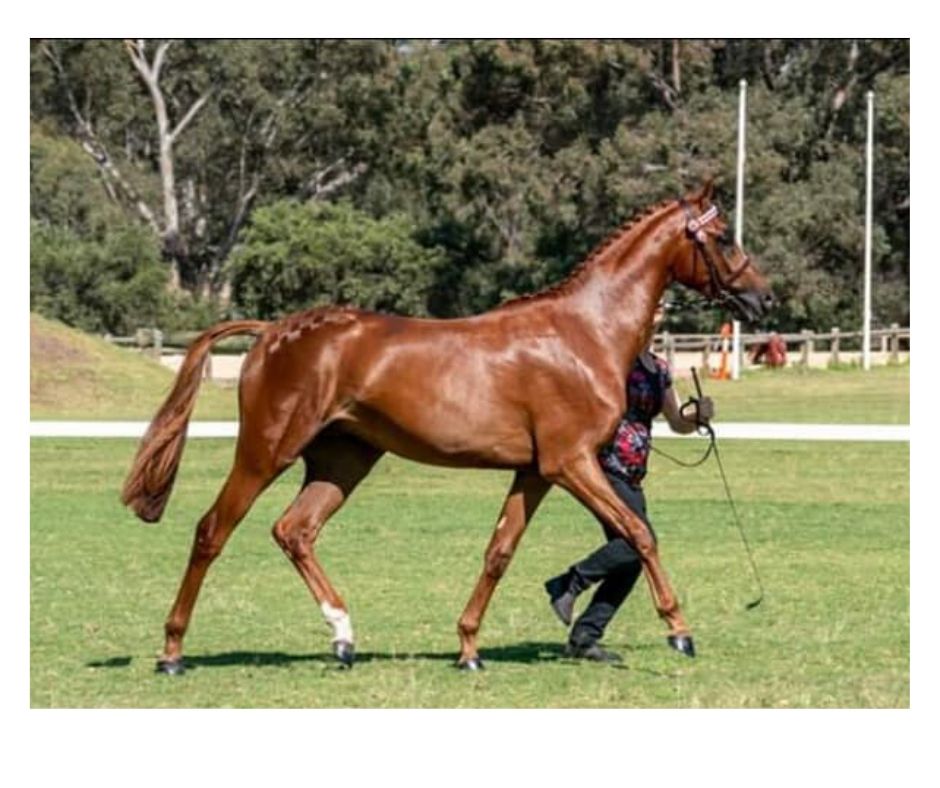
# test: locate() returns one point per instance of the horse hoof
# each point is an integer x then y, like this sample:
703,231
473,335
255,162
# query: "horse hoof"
682,644
472,664
171,667
345,653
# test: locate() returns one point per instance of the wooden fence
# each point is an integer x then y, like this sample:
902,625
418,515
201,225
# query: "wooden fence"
840,346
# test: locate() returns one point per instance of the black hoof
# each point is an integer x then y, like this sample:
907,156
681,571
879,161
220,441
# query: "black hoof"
345,653
682,643
472,664
171,667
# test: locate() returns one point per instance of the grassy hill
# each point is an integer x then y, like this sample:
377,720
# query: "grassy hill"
76,376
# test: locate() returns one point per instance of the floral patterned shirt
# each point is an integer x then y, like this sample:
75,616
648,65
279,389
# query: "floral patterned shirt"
627,453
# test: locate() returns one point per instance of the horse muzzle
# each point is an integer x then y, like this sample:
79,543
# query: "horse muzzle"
750,305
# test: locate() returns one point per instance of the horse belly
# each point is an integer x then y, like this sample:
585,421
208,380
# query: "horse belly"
442,437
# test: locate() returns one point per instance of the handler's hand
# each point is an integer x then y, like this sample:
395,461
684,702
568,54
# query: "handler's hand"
704,410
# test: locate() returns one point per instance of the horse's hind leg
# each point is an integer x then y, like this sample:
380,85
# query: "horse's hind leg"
240,490
335,465
528,489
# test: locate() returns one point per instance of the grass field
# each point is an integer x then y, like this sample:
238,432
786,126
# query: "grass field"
829,530
829,524
846,395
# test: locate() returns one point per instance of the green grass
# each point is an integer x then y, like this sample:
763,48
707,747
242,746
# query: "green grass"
829,528
829,524
76,376
847,395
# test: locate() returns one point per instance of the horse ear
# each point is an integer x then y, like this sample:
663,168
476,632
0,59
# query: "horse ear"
704,193
708,190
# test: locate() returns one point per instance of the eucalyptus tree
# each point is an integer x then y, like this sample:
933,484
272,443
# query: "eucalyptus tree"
513,158
189,135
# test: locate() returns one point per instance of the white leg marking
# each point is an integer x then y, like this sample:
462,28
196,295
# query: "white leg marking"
338,619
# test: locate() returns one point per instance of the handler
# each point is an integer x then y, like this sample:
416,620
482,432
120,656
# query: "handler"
616,565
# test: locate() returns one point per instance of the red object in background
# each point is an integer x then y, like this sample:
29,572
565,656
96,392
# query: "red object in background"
772,353
723,373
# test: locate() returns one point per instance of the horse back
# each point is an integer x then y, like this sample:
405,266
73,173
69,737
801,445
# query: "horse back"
464,392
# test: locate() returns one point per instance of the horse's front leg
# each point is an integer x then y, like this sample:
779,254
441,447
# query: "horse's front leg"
528,489
582,476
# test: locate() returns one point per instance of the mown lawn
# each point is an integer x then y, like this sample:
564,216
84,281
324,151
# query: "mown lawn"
846,395
829,527
829,523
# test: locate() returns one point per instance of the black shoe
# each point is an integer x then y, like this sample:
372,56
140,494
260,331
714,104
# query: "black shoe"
561,595
593,652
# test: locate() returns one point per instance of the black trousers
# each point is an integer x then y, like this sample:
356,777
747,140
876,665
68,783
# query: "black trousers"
616,566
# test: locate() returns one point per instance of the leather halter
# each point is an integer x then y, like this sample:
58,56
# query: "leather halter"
695,229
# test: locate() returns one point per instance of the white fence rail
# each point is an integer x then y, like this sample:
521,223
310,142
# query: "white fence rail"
725,431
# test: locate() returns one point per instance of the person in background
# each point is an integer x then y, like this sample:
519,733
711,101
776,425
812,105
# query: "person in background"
773,352
616,565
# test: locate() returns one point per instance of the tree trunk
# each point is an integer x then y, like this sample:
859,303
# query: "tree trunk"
175,249
676,66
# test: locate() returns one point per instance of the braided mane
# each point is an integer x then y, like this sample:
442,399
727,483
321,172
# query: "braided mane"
578,272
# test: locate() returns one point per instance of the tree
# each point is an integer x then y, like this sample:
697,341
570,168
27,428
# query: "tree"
512,159
295,255
168,133
90,266
188,134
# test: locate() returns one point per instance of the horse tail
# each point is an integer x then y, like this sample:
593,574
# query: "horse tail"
150,481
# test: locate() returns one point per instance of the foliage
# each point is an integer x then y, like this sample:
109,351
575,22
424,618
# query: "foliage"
108,285
92,266
295,255
513,158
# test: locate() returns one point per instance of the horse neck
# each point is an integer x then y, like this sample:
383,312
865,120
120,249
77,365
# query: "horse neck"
619,291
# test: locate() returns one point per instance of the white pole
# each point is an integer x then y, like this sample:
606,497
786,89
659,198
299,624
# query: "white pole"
869,166
739,198
739,221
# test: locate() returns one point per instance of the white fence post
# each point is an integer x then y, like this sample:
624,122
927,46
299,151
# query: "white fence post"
895,343
807,346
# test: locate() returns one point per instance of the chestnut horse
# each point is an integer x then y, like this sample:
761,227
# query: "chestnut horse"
535,386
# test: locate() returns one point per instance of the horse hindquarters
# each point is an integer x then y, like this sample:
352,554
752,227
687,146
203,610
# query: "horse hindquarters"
271,437
150,481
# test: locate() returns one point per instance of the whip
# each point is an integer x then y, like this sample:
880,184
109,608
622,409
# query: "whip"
704,428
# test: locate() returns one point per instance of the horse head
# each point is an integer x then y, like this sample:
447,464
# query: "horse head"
708,261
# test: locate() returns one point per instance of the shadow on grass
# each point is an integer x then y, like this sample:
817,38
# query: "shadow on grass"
114,662
526,653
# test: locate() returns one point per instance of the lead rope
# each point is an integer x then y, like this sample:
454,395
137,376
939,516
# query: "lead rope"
704,428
